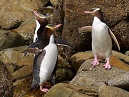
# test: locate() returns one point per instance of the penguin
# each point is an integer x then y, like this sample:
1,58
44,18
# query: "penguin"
45,60
101,38
41,22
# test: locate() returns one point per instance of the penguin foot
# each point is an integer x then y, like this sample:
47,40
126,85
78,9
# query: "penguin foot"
43,89
107,66
95,63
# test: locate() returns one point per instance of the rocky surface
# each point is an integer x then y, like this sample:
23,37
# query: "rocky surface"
16,62
95,76
72,16
10,39
6,83
67,90
14,12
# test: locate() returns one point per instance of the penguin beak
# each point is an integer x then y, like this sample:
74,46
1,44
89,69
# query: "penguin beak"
38,16
92,12
57,26
88,12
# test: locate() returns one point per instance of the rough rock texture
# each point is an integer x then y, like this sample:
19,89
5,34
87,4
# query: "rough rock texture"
71,15
98,76
22,89
9,39
67,90
26,29
54,2
118,59
64,70
6,84
16,62
127,53
14,12
108,91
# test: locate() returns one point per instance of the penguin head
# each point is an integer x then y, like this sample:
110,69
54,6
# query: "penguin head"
50,29
96,12
41,19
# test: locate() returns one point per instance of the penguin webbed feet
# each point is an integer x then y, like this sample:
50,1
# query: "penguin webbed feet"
43,89
107,66
95,62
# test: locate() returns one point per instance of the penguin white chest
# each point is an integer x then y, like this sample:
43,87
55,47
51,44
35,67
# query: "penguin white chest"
48,63
101,40
37,27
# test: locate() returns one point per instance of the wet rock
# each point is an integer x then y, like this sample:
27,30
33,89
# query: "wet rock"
67,90
108,91
95,76
10,39
115,14
6,84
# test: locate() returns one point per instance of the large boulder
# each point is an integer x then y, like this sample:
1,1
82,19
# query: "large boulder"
98,76
71,15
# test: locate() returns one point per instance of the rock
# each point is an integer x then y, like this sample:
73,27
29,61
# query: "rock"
121,81
26,29
96,76
10,39
115,14
16,62
23,89
77,59
121,56
119,64
14,12
64,70
19,73
108,91
54,2
118,59
127,53
6,84
67,90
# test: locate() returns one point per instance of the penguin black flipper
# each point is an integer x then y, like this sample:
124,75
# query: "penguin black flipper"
63,43
36,69
33,45
35,51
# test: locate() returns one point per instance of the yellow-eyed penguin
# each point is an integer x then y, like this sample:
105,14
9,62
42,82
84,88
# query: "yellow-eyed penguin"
101,38
45,60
